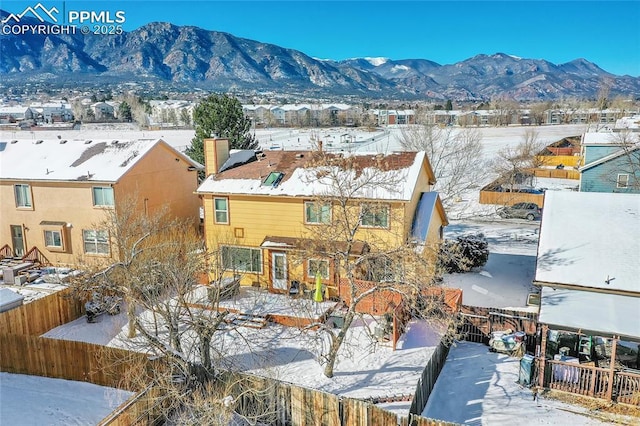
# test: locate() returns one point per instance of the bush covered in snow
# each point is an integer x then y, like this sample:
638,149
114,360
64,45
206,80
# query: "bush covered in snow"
464,253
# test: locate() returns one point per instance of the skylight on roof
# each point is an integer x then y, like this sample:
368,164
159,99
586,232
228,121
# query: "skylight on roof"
273,179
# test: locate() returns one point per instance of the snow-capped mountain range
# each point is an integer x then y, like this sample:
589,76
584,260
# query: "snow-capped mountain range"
188,57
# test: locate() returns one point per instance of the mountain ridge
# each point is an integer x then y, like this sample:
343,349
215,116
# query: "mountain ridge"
190,56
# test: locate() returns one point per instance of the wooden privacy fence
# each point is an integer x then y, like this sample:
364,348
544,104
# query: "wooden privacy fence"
288,404
557,173
510,198
141,409
428,379
269,401
70,360
478,323
41,315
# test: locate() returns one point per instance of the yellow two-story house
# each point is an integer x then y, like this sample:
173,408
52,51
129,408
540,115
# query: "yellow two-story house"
56,193
262,209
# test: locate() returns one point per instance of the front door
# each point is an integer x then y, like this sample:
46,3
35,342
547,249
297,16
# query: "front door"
279,270
17,240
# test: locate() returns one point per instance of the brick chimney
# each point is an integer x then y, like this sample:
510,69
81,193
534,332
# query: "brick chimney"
216,152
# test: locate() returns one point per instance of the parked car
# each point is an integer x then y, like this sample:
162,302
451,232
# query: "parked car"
529,211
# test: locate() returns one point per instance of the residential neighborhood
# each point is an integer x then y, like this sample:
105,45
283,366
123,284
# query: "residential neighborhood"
394,204
319,213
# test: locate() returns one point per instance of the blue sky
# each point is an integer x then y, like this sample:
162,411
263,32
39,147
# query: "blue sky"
604,32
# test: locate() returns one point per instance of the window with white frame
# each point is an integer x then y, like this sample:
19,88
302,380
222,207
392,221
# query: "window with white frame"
315,212
375,215
622,181
221,209
95,241
53,239
241,259
23,195
103,196
318,266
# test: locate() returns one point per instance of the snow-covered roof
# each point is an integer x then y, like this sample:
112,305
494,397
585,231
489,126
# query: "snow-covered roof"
602,138
13,109
75,160
610,157
597,313
9,299
301,178
590,239
628,122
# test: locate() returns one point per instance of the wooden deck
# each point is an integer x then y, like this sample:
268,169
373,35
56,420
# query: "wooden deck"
593,381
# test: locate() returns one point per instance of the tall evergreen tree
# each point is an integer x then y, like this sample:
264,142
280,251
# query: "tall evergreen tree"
221,116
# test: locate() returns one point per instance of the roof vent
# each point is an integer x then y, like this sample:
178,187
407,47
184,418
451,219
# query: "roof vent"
87,142
63,141
299,155
14,141
115,142
39,141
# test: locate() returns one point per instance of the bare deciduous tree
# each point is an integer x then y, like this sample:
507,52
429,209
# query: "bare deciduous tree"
364,243
171,318
513,164
455,156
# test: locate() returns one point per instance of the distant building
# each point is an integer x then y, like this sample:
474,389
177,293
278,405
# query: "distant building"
15,114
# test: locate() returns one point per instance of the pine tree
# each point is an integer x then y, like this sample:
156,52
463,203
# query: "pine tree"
221,116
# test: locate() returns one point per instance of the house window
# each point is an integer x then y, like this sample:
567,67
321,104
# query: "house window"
241,259
95,242
53,239
622,181
103,196
23,195
375,216
317,212
220,206
318,265
273,179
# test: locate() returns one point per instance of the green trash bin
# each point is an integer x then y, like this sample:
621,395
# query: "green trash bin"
526,370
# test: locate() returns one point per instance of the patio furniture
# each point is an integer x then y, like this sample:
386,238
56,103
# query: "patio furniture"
226,288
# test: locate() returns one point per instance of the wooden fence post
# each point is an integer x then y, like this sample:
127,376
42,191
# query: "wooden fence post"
543,355
612,367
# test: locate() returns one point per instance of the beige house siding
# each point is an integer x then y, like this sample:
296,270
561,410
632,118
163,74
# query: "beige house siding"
159,178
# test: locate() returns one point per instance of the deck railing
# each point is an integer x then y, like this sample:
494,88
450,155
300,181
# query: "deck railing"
626,387
592,381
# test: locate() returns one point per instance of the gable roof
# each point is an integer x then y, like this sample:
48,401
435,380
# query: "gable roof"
75,160
609,157
590,239
303,176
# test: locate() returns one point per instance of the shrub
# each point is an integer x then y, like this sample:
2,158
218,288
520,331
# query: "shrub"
464,253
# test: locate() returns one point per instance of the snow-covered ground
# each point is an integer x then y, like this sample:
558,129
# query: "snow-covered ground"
478,387
506,279
33,400
365,370
339,138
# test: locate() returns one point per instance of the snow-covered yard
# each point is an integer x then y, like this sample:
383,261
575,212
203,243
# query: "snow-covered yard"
484,389
478,387
33,400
